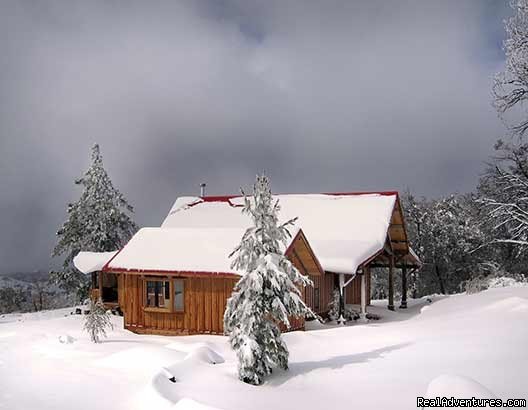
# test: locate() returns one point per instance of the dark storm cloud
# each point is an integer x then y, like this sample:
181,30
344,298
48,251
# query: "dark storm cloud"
322,95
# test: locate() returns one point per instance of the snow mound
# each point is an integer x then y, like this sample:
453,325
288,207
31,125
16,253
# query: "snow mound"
425,308
205,354
460,387
511,304
190,404
147,358
167,382
66,339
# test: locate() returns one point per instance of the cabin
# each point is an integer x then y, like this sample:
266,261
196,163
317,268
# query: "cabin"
175,279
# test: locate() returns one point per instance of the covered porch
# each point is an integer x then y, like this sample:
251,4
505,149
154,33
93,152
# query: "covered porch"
396,254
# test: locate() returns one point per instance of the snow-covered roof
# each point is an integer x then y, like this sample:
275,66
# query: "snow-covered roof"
88,262
204,250
343,230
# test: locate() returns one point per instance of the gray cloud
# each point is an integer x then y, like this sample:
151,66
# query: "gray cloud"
322,95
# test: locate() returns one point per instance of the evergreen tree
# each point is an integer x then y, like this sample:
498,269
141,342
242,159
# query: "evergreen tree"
268,292
334,308
97,222
97,321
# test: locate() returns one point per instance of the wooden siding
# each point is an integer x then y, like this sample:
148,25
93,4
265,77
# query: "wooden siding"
121,291
309,293
205,300
353,290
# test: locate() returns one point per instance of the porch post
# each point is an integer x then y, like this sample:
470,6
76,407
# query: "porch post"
100,284
341,319
363,313
391,283
403,304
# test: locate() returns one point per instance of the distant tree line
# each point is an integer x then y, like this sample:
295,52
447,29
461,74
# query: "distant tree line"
465,239
32,292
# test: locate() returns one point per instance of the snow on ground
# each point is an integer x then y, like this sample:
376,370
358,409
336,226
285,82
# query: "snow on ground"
47,362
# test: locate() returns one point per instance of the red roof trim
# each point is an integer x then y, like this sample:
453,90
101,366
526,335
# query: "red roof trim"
219,198
112,258
227,198
383,193
168,272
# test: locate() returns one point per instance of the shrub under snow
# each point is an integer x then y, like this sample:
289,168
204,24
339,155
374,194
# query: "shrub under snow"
97,321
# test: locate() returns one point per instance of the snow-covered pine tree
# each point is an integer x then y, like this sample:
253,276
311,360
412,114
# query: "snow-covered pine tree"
334,308
99,222
97,321
268,292
333,305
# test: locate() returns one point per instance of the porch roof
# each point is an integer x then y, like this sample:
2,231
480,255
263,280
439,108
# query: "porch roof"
88,262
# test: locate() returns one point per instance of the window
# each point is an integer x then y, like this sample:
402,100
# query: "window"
164,294
316,299
179,300
158,294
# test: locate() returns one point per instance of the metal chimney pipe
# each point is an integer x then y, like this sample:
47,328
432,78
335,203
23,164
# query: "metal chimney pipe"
202,189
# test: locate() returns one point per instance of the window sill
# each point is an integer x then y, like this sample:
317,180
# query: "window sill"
157,310
162,310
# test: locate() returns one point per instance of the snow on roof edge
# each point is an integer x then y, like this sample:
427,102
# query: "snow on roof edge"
182,250
88,262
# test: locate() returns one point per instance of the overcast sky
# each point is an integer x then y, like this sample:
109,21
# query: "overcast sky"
323,96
